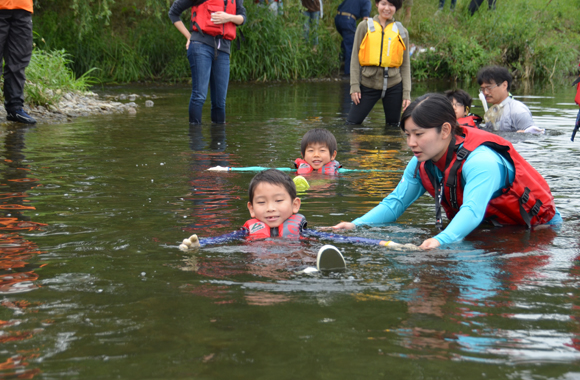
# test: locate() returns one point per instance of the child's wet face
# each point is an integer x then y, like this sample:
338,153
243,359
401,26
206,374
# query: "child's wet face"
272,204
317,155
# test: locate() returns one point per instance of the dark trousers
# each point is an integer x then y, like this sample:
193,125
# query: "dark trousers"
392,103
15,50
475,4
346,27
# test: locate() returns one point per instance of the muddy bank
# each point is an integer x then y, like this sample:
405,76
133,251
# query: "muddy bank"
72,105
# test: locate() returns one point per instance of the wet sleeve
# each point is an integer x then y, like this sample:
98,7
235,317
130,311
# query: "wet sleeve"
407,191
484,174
522,118
226,238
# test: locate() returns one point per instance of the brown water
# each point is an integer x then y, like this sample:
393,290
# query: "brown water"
93,285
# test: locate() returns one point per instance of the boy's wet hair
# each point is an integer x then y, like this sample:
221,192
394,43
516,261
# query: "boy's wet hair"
496,74
432,111
397,3
320,136
273,177
460,96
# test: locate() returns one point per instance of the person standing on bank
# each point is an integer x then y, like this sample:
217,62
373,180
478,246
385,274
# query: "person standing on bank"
208,45
472,174
380,66
345,21
16,51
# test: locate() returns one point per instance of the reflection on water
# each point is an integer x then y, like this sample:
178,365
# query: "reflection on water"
100,204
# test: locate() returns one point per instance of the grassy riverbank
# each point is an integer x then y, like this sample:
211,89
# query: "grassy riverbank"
127,42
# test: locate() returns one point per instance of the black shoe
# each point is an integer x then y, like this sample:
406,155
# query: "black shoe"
330,259
19,116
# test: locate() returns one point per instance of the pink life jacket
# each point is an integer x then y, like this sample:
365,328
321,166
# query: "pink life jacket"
291,228
304,167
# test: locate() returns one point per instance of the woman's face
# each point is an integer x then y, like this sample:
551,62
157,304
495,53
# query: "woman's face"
386,10
427,143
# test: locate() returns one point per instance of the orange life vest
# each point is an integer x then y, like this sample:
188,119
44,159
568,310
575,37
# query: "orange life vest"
291,228
17,4
304,167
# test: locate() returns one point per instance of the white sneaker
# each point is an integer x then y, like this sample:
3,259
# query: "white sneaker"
330,259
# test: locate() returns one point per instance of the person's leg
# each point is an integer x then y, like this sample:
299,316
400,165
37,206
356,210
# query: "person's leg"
218,86
348,38
441,4
453,4
314,20
491,4
368,99
200,58
338,22
307,16
474,6
17,54
392,103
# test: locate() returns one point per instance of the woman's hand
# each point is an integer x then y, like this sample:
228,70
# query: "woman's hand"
406,103
220,17
430,244
355,96
344,226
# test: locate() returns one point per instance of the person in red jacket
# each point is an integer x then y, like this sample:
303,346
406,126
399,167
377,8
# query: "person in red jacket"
461,102
16,51
577,100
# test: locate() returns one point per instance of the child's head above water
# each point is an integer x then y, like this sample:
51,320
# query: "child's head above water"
318,147
272,195
461,102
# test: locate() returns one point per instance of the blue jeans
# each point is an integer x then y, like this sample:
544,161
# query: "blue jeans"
208,68
311,20
346,26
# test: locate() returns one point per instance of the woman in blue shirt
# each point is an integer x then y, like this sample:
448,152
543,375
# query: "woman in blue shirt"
493,178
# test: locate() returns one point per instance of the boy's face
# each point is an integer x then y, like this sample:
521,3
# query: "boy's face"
317,155
272,204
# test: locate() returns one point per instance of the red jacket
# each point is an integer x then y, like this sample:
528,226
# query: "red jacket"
304,167
526,201
577,98
291,228
469,121
201,18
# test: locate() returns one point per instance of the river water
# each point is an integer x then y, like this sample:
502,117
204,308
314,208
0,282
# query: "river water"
93,285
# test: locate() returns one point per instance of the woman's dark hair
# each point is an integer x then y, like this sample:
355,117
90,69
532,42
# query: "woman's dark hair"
432,111
397,3
273,177
320,136
460,96
497,74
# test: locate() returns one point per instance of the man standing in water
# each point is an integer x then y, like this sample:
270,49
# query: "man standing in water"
506,114
345,20
16,50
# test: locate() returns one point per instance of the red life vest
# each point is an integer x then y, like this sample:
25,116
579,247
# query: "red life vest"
201,18
526,201
469,121
577,98
291,228
304,167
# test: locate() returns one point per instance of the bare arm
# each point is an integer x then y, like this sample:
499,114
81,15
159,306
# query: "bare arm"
183,30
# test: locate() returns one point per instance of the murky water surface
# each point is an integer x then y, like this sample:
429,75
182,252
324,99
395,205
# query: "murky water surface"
93,285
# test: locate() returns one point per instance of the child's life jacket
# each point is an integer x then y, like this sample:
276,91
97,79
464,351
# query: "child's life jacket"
470,121
201,18
292,228
303,167
382,47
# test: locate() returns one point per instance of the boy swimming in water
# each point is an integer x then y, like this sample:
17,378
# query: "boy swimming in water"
273,206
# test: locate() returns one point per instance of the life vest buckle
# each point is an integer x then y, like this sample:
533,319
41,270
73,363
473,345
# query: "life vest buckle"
462,153
536,209
525,196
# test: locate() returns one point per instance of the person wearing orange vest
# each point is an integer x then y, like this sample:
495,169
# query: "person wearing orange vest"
380,67
16,51
472,174
213,28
